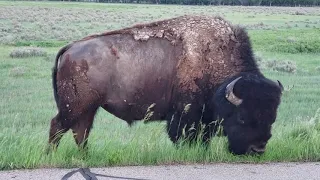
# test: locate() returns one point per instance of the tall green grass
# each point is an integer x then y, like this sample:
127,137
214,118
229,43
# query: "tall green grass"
284,41
27,106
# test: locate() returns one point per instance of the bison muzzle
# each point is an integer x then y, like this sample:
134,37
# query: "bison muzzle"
198,73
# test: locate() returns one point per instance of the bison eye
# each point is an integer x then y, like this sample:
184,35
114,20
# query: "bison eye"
241,120
259,115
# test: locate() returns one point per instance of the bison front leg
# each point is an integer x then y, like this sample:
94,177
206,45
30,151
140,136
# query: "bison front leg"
186,126
82,128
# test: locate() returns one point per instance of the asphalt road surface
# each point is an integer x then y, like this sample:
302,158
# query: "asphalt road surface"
271,171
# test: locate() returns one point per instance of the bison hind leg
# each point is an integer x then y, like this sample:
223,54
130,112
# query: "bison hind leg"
57,130
82,127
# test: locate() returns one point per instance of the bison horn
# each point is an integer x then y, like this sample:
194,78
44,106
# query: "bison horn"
230,95
280,85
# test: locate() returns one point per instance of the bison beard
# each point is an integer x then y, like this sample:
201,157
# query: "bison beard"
195,72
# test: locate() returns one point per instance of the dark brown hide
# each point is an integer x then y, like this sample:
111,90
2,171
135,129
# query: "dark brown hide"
161,66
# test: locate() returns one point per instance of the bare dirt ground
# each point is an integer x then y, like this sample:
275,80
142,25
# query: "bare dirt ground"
270,171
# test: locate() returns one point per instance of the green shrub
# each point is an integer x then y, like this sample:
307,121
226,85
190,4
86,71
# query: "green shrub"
276,65
27,52
41,43
282,66
18,71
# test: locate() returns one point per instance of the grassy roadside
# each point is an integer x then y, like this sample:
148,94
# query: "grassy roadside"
27,104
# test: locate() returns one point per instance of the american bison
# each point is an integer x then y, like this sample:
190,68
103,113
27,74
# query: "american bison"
195,72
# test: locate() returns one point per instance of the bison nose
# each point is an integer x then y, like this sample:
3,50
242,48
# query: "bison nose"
258,149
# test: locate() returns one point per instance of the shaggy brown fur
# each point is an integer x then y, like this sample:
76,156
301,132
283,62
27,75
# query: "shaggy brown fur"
211,45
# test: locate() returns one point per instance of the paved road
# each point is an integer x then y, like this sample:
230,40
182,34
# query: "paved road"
272,171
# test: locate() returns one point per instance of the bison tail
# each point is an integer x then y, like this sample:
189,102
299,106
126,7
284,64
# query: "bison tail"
55,70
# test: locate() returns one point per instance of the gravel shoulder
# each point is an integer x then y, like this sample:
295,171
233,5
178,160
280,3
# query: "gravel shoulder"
270,171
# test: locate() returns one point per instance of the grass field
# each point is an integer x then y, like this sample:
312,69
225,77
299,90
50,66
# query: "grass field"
286,42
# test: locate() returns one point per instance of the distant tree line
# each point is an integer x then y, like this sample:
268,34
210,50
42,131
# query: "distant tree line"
215,2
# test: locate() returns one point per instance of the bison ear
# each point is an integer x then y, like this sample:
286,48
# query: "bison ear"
280,85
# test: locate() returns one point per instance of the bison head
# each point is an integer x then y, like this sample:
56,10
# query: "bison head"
247,106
